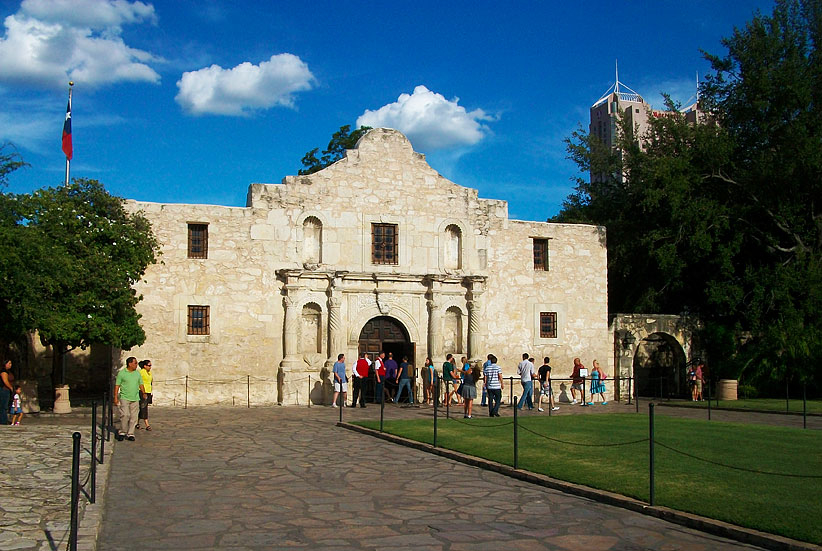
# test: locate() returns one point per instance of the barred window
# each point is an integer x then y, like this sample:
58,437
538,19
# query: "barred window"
547,325
384,244
199,320
198,240
541,255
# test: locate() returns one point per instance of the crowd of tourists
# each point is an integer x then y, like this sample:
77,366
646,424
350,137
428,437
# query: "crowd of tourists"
459,383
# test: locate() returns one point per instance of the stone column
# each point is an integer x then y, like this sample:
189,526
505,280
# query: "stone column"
434,329
475,325
291,358
291,323
336,335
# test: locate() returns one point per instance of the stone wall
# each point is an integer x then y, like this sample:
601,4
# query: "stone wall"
290,282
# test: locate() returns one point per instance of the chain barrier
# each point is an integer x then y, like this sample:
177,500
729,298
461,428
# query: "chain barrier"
476,426
736,468
583,444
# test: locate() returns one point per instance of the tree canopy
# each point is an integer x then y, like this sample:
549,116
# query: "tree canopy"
70,258
722,218
340,141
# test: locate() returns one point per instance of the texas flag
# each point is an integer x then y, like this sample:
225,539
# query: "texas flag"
67,148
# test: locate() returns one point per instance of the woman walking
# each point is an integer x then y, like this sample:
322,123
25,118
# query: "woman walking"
597,385
6,391
469,390
145,400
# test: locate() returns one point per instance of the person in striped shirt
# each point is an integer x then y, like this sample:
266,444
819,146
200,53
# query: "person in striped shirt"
493,385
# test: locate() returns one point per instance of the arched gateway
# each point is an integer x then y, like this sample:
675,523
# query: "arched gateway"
384,334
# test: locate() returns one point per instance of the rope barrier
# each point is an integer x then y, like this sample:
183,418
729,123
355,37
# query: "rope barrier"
586,445
473,425
736,468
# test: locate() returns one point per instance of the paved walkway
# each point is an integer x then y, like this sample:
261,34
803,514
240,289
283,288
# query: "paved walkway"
288,478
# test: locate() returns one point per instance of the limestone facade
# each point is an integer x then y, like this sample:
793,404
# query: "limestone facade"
290,280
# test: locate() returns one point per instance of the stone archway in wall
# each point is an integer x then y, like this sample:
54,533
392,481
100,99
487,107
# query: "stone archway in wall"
384,334
653,350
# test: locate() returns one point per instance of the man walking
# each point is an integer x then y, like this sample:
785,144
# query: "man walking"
359,376
525,370
128,388
404,381
545,385
379,378
340,380
391,369
494,385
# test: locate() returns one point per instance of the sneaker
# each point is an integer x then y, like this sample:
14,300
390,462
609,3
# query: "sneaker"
555,408
17,424
575,401
119,437
589,404
604,403
130,437
540,409
334,405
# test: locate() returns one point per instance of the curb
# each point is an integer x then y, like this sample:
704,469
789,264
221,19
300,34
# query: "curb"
696,522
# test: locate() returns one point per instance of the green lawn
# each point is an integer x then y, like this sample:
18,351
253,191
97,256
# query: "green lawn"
783,505
758,404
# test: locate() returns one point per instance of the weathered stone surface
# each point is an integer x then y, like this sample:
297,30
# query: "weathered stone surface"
306,244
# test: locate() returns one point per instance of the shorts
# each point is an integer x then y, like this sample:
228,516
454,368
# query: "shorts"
16,411
546,389
699,385
337,387
577,386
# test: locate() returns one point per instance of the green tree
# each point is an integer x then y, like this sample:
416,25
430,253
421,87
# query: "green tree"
723,218
75,255
340,141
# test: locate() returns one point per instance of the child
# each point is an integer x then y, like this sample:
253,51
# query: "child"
17,406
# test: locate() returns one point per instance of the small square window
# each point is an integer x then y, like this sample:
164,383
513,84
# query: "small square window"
199,320
547,325
384,244
198,240
541,255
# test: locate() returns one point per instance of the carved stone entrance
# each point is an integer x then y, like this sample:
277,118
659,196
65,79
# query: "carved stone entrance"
384,334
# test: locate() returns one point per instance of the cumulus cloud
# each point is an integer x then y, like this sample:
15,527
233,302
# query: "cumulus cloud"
246,87
429,120
49,42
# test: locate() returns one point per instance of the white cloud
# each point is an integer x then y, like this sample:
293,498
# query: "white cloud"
218,91
48,43
429,120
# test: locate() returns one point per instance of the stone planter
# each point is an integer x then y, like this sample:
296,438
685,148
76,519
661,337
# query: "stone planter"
726,389
61,400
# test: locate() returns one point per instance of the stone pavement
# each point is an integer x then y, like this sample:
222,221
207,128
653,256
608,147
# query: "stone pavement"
288,478
35,477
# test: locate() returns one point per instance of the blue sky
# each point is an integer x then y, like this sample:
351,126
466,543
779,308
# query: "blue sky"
190,101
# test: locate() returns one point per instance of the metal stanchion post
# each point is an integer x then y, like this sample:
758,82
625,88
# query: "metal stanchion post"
341,401
436,402
636,398
185,404
93,466
651,452
804,406
248,391
511,391
516,435
584,403
447,401
309,390
382,411
103,429
708,389
630,380
75,490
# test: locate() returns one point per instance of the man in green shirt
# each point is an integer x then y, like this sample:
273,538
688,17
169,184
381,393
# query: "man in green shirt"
128,387
450,377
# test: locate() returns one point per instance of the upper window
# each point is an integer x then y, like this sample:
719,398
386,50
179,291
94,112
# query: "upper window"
312,240
453,247
198,240
541,255
199,322
384,244
547,325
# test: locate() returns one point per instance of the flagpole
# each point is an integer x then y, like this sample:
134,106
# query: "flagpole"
68,160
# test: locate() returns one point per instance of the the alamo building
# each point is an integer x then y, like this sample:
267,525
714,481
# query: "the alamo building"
377,252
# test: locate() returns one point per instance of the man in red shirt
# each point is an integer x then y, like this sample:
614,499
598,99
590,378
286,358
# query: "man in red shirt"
360,376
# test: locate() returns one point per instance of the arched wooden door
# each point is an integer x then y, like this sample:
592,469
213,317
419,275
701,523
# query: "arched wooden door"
384,334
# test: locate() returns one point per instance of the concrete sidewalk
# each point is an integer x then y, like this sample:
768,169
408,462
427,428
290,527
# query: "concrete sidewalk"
288,478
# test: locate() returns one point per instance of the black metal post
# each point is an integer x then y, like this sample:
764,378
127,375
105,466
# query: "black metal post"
103,431
185,404
93,466
447,400
651,453
787,395
248,390
341,401
708,391
630,380
436,402
804,406
511,391
516,438
636,398
382,411
584,402
309,390
75,490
